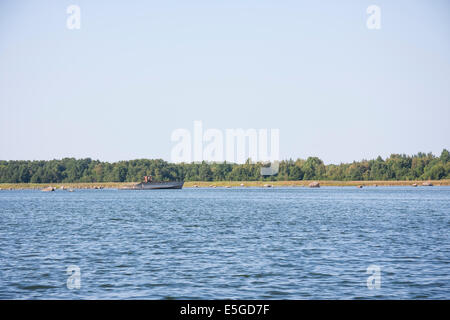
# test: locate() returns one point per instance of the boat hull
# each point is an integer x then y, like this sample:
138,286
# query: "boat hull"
155,185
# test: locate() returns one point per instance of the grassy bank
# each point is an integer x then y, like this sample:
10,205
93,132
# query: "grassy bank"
204,184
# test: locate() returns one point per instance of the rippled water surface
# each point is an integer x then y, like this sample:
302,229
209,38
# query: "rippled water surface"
238,243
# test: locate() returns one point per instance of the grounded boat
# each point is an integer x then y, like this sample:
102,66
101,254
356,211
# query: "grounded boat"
148,184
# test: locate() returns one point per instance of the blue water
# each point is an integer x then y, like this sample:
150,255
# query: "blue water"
238,243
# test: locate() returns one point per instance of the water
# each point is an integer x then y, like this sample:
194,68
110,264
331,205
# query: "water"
238,243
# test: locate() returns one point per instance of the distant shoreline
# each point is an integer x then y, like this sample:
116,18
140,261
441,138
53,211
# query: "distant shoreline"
224,184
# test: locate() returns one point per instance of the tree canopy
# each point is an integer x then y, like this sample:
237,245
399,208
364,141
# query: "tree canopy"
396,167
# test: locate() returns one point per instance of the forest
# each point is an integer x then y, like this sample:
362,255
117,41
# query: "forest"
422,166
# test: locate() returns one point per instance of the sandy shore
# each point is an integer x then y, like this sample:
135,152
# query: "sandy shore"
209,184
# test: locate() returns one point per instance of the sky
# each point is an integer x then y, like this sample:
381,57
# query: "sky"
135,71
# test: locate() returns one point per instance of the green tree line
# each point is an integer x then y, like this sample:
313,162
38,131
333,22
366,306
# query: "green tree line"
396,167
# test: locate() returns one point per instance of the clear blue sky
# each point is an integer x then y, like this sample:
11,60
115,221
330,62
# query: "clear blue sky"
137,70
